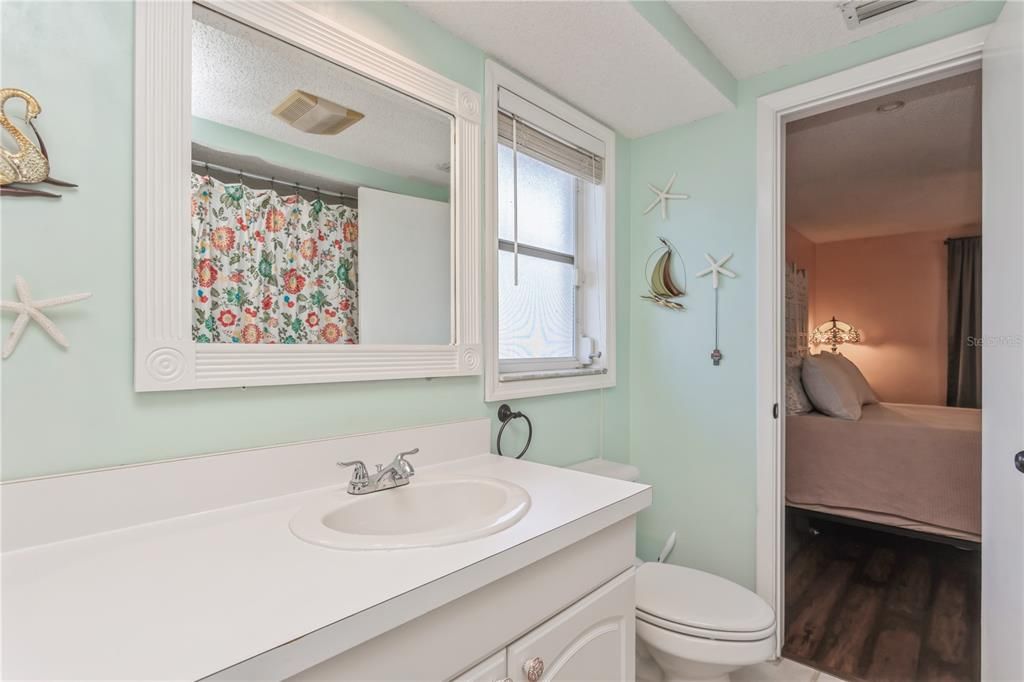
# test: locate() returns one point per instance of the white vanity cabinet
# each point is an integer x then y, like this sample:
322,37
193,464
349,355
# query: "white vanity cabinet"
591,640
265,605
492,669
569,616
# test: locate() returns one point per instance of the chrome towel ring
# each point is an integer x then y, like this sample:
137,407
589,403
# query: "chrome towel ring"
505,415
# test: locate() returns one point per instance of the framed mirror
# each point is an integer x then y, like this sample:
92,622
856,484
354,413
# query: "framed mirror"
306,204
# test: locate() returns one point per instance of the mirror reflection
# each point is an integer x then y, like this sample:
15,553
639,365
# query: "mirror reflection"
320,199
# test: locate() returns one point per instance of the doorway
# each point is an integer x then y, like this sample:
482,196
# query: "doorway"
883,284
941,59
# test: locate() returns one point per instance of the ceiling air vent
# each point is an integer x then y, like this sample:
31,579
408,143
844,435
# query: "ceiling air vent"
312,114
857,12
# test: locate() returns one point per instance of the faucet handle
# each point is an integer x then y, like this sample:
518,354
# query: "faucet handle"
400,460
360,475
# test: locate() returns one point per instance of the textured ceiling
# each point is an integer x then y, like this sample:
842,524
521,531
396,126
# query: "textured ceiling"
602,57
240,75
854,172
755,37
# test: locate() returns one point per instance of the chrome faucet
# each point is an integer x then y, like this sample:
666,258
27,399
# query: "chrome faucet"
394,475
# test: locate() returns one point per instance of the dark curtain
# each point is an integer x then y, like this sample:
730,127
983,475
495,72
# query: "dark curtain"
963,378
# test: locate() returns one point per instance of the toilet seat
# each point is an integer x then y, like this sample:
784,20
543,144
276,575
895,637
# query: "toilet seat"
703,633
691,602
698,652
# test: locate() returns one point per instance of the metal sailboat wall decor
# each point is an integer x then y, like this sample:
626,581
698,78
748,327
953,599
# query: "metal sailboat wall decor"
661,287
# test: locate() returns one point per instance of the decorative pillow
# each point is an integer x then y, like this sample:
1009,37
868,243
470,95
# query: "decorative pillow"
829,388
797,401
860,383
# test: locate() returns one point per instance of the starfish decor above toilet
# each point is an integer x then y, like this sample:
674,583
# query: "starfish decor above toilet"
717,268
663,196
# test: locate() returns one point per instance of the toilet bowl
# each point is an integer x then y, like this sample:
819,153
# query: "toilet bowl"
693,625
699,626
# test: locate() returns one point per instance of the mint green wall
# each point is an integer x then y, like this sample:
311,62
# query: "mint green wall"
227,139
71,410
687,425
692,424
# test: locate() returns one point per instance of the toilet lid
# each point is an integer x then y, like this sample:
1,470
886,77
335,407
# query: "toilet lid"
701,603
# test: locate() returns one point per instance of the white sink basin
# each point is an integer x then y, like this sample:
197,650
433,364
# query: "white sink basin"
425,513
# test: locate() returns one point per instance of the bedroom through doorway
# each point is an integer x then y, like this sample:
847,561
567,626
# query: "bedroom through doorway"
882,427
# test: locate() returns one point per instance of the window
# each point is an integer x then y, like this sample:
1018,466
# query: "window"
536,259
549,266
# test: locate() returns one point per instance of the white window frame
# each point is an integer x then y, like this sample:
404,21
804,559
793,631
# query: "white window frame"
595,294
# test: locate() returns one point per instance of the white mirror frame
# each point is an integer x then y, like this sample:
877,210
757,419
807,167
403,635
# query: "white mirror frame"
166,357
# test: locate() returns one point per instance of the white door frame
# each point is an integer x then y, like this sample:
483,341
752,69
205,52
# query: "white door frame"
939,59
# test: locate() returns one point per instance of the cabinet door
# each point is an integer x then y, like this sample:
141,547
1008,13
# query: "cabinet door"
591,640
491,669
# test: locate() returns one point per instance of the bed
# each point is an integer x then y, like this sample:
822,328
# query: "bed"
913,467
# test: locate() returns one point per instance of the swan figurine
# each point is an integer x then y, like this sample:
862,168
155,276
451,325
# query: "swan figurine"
30,164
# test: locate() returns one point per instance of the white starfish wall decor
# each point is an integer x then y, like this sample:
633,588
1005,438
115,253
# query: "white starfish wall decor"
716,269
663,196
29,309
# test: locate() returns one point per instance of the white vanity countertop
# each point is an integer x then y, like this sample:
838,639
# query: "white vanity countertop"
190,596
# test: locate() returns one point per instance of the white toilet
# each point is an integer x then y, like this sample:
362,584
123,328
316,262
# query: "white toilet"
694,625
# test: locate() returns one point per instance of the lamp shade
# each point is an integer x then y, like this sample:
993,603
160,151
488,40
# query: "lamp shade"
835,333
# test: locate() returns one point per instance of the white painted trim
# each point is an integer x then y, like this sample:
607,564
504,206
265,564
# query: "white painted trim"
938,59
496,75
166,358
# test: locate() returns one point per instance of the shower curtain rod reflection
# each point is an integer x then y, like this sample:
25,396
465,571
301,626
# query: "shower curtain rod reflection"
272,181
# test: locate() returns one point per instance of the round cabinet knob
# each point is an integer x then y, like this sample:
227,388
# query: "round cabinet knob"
534,668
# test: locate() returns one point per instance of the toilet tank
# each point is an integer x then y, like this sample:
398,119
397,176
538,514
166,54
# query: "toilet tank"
604,467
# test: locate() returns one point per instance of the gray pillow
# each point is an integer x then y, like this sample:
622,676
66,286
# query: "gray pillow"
857,378
829,388
797,401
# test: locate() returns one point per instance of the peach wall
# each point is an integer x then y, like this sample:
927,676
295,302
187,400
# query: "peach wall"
894,290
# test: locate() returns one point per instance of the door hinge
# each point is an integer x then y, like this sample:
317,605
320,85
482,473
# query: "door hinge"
775,411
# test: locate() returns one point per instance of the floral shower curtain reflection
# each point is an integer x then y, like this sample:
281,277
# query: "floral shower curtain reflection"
268,268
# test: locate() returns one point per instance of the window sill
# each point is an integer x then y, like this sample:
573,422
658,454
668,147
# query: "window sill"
550,374
512,385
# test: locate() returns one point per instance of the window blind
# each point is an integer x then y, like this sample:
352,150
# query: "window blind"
533,141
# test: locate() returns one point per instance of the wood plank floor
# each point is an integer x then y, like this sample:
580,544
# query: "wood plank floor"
868,605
